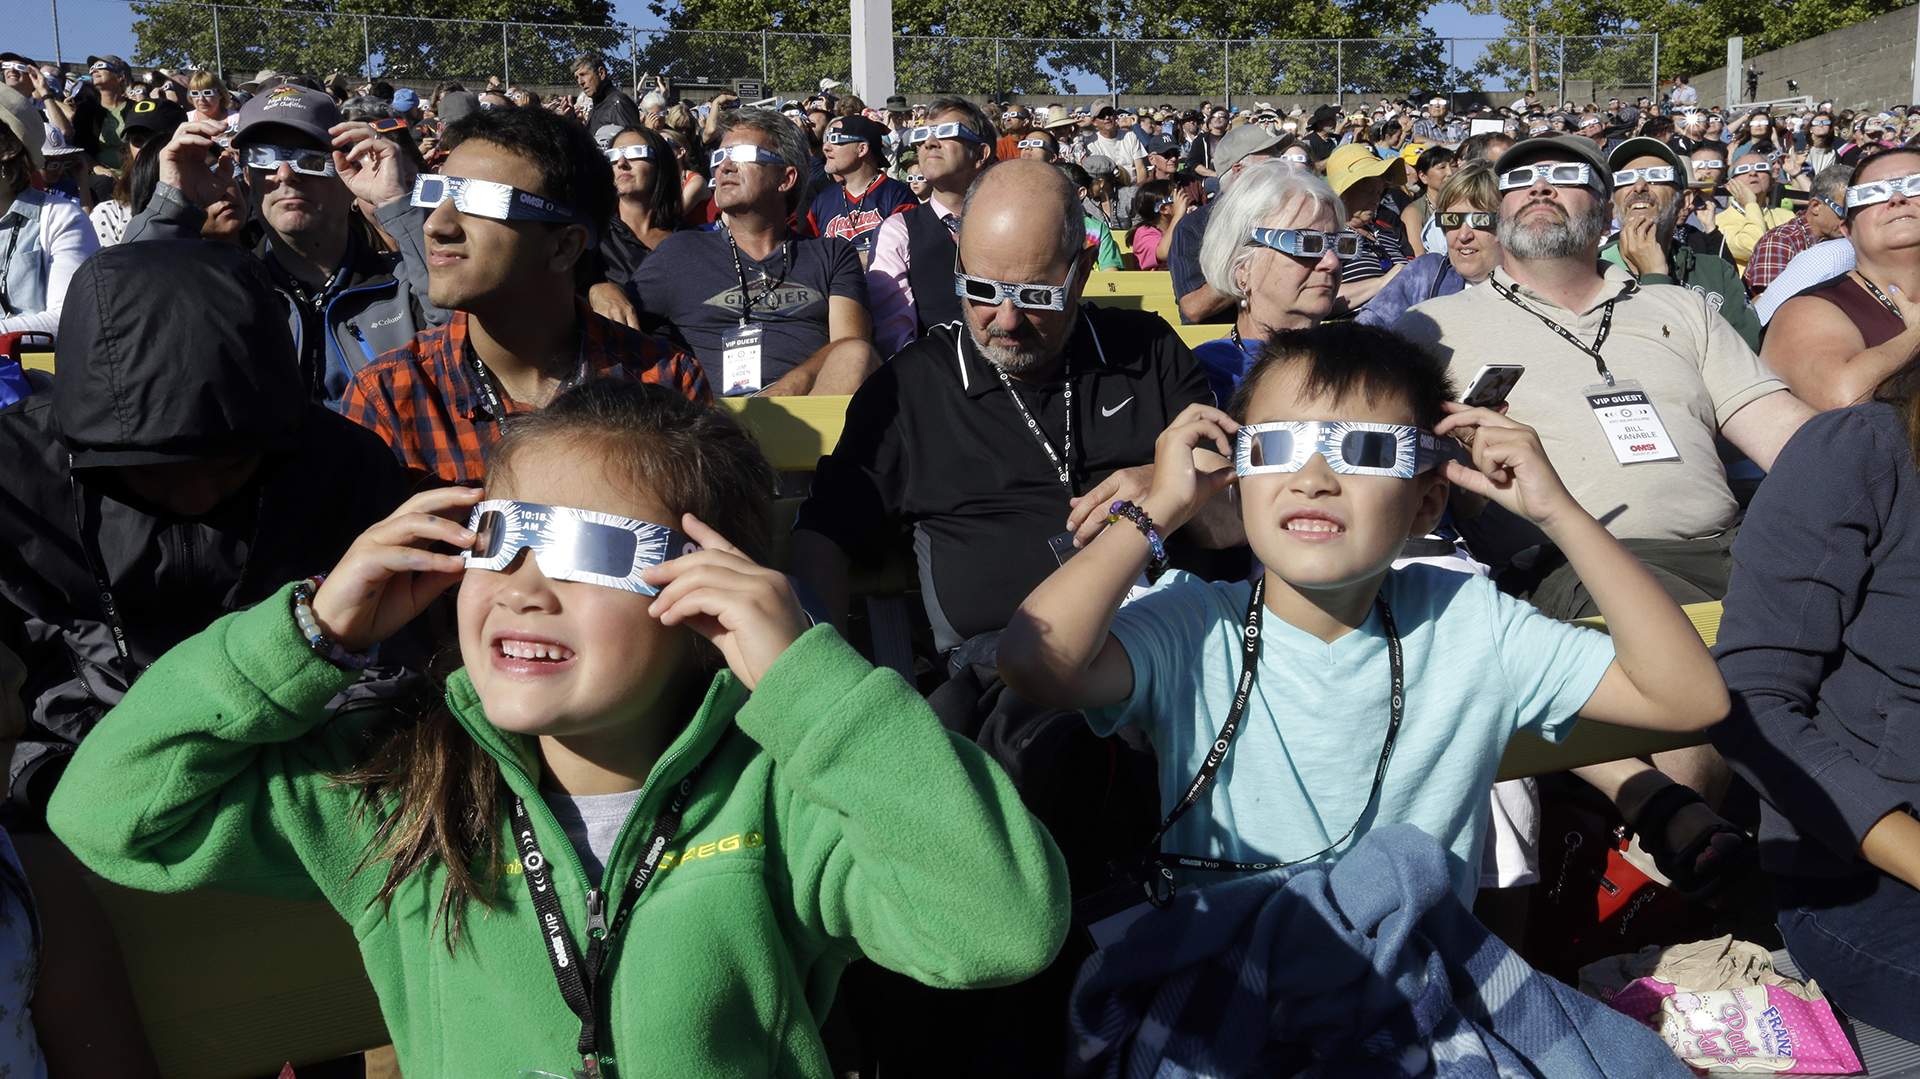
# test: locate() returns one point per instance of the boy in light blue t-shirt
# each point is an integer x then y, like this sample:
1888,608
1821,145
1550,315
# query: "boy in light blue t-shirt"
1337,465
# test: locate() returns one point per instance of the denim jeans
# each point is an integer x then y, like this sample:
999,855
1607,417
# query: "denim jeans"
1860,938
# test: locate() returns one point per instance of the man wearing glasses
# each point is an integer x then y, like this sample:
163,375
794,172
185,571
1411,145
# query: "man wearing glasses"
1648,179
1628,385
347,303
1749,185
1015,123
862,196
1589,337
909,275
1825,218
766,311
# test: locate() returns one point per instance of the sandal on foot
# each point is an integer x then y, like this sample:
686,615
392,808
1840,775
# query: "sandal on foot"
1704,865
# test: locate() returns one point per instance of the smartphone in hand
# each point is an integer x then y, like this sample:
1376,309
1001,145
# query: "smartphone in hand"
1492,385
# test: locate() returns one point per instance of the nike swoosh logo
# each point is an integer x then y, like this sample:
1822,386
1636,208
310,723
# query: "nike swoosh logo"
1108,412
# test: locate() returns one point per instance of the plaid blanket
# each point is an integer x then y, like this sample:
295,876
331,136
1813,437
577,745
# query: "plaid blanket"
1369,968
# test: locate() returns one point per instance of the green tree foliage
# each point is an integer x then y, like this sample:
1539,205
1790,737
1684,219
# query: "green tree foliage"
319,37
1061,46
1693,33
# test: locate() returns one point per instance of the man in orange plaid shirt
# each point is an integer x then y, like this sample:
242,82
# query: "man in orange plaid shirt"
522,199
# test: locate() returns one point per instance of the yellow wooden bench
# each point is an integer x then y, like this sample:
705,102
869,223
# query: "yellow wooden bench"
1201,334
1102,284
37,361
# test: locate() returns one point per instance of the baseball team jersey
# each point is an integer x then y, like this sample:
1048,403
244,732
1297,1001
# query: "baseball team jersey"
857,220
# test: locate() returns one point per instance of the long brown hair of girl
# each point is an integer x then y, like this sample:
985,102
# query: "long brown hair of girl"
436,795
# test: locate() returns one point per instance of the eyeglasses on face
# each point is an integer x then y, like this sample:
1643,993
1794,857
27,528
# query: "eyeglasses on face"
1033,144
267,157
203,95
952,129
1751,166
1476,219
501,202
1658,174
15,68
639,151
1716,163
1559,174
916,179
986,290
1351,448
745,154
842,138
1878,191
1308,243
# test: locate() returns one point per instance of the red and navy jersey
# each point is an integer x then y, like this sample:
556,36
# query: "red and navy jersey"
857,220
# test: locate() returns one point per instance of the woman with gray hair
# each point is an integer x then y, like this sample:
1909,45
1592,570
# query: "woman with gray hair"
1271,246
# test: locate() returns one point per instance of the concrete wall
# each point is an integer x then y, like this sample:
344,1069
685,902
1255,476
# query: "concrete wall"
1866,65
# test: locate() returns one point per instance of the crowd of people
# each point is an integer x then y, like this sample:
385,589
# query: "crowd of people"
378,541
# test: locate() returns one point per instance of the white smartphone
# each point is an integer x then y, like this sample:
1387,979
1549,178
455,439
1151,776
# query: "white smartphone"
1492,385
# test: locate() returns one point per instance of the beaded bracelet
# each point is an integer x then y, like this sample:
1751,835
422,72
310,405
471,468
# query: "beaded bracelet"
1158,563
317,640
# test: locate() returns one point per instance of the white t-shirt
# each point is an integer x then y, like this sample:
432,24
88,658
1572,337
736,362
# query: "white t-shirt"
1123,151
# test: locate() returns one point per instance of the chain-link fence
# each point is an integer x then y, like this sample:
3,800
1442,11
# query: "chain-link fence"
242,40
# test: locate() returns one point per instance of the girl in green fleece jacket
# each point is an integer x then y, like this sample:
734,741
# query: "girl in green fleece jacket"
787,815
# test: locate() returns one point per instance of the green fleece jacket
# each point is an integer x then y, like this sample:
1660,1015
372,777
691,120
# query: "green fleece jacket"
1712,277
835,818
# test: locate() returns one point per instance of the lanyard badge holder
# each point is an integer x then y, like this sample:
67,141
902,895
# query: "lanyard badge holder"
1626,414
741,347
1149,882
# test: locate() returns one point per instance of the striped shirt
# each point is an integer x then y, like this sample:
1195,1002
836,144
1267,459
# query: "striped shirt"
426,400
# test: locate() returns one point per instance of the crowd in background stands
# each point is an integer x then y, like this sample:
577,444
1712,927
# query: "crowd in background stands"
303,322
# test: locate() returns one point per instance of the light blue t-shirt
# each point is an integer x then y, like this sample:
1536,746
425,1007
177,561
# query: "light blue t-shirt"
1479,665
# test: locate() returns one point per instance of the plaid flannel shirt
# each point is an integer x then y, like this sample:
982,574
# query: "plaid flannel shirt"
1774,250
424,400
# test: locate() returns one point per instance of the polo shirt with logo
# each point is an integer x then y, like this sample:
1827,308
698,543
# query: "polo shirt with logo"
934,449
689,284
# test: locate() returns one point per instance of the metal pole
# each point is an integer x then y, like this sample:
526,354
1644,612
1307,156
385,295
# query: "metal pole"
1656,72
1113,70
996,71
1340,73
57,58
366,42
1453,74
766,73
506,63
219,62
1563,69
1226,77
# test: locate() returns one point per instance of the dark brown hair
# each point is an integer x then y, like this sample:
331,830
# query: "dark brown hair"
16,169
1340,359
1901,389
436,793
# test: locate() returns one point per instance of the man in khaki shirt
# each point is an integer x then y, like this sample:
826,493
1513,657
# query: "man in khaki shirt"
1589,334
1698,374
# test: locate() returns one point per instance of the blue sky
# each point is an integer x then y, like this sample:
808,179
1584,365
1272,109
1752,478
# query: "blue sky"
104,26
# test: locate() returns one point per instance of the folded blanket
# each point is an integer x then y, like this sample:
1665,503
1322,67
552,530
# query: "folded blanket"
1369,968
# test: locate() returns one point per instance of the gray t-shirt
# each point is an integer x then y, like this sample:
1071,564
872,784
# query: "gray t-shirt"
592,822
1694,367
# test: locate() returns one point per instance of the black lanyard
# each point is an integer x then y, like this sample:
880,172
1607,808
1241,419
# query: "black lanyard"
1062,458
1160,889
746,298
100,585
492,406
6,265
1606,325
580,980
1882,297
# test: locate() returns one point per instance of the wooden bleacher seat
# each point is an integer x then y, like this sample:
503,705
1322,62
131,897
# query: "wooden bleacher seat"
1201,334
37,361
1105,283
230,986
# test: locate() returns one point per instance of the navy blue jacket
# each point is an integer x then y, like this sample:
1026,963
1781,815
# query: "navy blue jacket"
1818,641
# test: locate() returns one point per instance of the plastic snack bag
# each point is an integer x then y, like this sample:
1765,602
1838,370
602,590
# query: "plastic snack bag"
1762,1028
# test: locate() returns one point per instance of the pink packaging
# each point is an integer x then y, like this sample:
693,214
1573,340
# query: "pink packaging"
1762,1028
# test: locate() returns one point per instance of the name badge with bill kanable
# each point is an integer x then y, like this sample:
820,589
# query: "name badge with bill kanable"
1631,424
